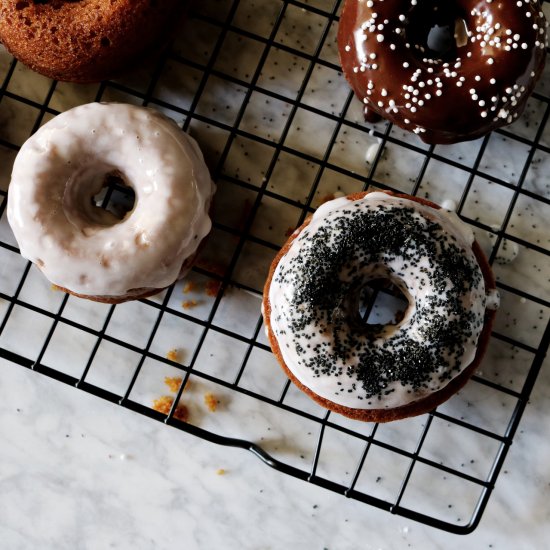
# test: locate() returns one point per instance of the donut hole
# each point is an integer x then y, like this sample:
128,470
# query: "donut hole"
441,39
381,302
115,196
437,34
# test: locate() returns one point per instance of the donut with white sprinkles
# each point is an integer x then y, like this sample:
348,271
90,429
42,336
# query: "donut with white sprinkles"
376,372
448,70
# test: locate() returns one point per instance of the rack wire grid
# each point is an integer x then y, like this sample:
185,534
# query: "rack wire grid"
258,84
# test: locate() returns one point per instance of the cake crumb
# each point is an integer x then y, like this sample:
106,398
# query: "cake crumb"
164,404
190,286
181,413
174,355
212,288
173,383
211,401
189,304
221,471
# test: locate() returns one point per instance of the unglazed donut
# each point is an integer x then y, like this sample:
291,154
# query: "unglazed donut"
85,249
372,372
480,83
84,40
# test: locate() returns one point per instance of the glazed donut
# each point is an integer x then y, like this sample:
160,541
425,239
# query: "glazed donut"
479,81
85,249
84,41
380,372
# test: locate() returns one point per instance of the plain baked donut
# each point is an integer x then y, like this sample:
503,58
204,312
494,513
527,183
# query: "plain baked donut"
372,372
480,81
85,40
85,249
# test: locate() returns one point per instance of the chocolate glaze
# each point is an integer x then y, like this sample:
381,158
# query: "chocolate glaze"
479,84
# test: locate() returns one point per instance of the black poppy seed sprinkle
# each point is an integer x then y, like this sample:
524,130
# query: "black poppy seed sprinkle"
337,260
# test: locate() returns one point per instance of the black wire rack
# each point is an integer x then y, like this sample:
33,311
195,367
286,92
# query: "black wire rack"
258,84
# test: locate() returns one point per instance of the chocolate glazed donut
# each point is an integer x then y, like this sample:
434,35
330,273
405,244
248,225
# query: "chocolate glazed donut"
85,40
476,79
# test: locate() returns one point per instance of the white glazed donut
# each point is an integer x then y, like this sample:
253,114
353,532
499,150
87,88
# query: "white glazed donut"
86,249
380,372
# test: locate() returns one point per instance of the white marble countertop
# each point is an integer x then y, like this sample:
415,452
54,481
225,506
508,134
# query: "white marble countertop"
77,472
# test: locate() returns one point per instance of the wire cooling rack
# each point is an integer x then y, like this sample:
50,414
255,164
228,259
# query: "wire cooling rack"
258,84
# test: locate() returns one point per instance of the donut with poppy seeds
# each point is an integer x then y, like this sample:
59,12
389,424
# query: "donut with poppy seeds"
387,372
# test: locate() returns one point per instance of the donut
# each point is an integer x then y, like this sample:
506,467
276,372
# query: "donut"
380,372
88,250
449,87
85,41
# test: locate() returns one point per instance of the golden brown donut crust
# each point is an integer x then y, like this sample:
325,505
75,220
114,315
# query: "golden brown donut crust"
414,408
84,40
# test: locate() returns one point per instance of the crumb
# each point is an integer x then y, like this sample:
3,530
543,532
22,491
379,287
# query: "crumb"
190,286
211,401
173,383
221,472
181,413
173,355
55,288
164,404
212,288
189,304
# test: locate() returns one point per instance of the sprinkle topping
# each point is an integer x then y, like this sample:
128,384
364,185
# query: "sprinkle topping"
496,46
317,285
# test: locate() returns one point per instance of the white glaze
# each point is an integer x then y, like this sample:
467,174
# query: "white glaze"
85,249
343,387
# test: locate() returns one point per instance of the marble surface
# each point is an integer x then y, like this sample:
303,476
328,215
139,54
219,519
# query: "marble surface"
78,472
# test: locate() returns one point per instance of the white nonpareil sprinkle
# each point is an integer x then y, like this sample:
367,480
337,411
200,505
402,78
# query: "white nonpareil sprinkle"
488,40
449,204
